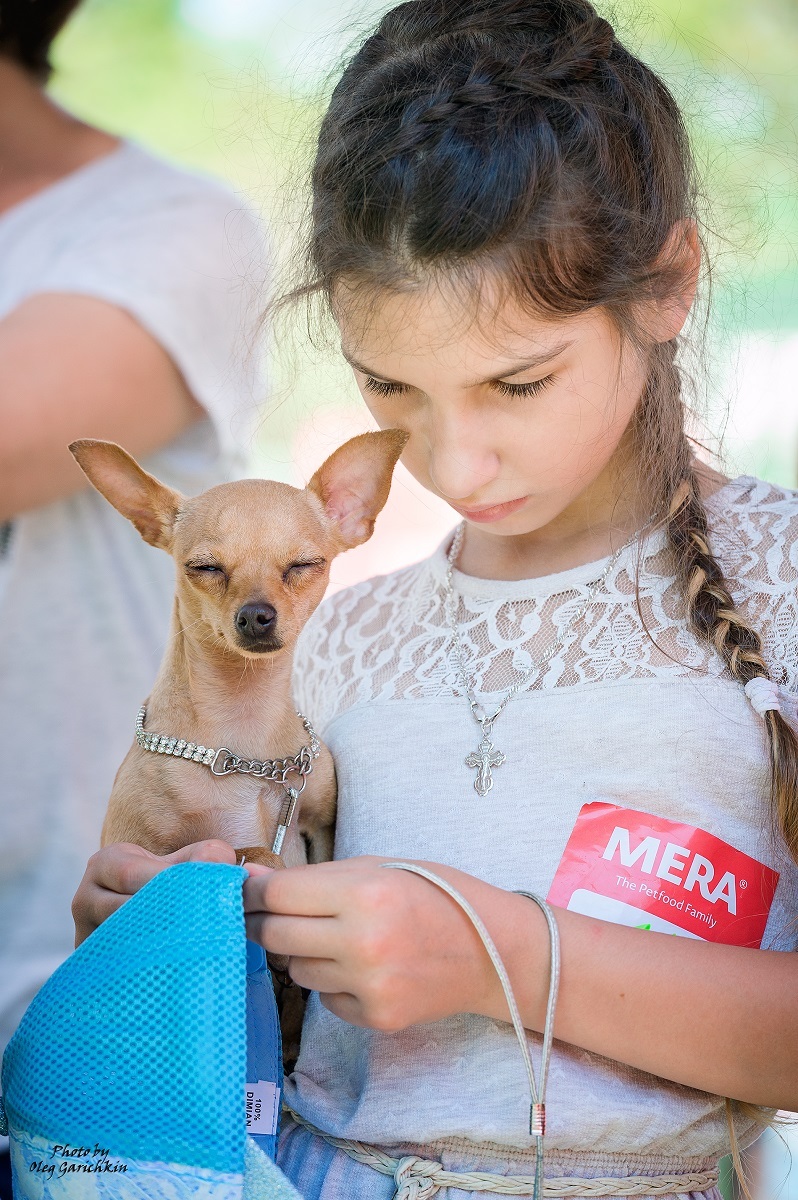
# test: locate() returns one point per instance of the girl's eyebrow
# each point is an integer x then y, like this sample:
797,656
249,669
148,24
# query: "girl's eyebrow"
536,360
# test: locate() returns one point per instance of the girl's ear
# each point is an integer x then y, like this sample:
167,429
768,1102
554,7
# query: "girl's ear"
354,482
681,258
149,504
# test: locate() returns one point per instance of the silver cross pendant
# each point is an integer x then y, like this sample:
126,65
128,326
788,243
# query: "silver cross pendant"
481,760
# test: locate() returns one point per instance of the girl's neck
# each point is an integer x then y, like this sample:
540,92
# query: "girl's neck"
593,526
39,142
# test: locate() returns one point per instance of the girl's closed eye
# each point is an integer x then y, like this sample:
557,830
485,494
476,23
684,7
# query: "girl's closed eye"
384,387
532,388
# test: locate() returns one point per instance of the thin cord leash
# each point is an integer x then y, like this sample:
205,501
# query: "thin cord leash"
537,1109
551,1003
417,1178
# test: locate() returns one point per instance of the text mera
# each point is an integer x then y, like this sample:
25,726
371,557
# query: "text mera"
670,863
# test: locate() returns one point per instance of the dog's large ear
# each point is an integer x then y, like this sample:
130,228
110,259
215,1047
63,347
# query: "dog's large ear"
144,500
354,482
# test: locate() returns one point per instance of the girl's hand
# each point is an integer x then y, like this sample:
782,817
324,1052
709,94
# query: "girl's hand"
385,949
119,870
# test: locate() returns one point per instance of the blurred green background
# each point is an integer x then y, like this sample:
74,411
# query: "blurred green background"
235,87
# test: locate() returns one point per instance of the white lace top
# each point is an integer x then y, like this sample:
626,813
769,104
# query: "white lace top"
634,714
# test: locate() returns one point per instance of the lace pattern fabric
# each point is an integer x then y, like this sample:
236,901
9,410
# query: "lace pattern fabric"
388,638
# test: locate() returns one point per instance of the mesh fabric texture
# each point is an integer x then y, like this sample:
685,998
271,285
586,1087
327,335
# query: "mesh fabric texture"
138,1041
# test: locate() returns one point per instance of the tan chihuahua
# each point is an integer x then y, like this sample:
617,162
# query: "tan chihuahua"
220,727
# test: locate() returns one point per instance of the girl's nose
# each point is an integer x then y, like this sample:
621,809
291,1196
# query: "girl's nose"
461,462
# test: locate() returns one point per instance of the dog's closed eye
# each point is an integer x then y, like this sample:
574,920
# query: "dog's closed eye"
298,570
205,568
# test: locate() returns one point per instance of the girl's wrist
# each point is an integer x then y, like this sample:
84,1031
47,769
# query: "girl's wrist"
524,946
519,931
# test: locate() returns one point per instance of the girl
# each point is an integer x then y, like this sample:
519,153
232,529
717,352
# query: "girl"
584,693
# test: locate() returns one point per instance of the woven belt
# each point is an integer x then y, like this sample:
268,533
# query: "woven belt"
420,1178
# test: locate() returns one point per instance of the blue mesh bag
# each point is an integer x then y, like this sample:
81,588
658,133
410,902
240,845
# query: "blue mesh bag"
148,1067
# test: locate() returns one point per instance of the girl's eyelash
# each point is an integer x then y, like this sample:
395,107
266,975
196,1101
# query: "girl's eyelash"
381,387
524,389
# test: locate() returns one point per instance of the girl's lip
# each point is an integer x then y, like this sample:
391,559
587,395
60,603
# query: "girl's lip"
493,512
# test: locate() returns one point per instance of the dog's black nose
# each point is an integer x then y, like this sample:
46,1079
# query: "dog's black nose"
256,621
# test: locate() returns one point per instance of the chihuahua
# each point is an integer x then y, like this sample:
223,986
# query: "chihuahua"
220,750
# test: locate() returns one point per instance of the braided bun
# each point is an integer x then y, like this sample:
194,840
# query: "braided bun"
570,23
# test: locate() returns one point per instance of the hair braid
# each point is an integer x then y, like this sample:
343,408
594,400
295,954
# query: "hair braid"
713,616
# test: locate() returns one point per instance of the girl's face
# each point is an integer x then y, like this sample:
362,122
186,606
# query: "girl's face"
514,421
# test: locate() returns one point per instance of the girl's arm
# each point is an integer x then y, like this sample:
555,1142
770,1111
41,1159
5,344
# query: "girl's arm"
386,949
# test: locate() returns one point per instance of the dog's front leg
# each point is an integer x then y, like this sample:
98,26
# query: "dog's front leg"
320,844
259,854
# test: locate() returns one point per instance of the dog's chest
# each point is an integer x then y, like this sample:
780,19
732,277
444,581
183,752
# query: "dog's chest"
238,809
249,811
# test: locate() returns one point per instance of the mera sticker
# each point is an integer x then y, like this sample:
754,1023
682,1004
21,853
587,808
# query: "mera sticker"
632,868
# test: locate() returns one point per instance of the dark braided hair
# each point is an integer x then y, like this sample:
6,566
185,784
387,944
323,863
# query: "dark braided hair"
520,137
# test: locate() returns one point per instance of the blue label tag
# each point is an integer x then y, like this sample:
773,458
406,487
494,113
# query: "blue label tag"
264,1054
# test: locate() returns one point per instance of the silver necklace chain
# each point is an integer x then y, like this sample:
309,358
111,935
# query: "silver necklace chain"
486,756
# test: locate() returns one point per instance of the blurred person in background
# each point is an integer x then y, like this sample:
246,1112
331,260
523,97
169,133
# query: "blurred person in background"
129,302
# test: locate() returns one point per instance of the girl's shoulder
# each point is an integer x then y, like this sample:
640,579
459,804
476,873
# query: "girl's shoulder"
350,607
754,527
353,630
745,496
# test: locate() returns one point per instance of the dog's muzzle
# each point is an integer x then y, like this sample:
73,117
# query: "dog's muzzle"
256,627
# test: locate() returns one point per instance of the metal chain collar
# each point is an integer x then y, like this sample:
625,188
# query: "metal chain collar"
224,762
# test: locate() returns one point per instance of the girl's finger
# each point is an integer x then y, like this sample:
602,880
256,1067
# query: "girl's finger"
121,869
124,868
108,903
254,869
92,906
346,1006
306,937
211,850
310,891
112,875
318,974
